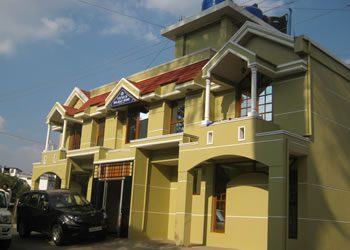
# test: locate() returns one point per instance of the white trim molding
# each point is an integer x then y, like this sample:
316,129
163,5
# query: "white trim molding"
114,160
259,30
76,93
283,132
155,143
232,145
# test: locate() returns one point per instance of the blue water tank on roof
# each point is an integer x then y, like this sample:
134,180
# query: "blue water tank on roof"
219,1
206,4
255,11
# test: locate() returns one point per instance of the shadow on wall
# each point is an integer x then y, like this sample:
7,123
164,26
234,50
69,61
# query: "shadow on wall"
328,166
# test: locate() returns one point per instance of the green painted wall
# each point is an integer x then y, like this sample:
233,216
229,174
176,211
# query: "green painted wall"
290,104
324,181
208,37
270,51
225,105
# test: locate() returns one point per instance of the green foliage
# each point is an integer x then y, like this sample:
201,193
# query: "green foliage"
17,186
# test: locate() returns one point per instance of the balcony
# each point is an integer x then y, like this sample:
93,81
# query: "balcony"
164,141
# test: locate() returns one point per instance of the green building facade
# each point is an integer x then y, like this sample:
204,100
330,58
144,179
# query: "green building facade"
239,142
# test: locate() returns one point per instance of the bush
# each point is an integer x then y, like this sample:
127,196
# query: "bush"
17,186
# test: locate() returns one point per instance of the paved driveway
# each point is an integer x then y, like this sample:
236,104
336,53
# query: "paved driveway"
40,242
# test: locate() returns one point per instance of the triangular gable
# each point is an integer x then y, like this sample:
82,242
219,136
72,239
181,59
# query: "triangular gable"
233,48
248,29
82,95
57,108
122,98
125,85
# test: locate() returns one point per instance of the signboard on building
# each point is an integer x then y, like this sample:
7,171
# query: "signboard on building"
113,171
122,98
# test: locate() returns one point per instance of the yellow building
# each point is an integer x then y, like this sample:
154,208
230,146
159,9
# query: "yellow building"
238,142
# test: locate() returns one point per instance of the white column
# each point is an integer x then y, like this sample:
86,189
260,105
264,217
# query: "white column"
207,101
48,137
253,112
63,140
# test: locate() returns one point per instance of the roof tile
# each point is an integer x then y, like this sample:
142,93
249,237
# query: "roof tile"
180,75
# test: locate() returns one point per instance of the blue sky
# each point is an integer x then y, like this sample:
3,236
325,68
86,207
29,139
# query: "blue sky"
48,47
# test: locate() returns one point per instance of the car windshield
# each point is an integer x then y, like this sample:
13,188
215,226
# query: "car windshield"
62,200
2,200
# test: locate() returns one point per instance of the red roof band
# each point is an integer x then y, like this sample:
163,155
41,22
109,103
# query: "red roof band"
178,76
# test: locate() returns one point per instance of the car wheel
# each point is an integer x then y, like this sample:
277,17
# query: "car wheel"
57,234
5,244
23,230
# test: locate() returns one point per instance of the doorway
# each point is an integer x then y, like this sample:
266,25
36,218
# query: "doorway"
113,194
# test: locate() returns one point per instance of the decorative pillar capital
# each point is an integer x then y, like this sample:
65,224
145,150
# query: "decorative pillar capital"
253,66
207,76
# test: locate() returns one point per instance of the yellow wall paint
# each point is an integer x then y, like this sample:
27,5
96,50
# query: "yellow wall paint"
225,105
207,36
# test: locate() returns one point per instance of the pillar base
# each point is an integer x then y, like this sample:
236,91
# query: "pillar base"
206,122
253,113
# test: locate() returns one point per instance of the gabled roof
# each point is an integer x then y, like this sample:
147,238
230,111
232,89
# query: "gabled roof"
96,100
87,93
70,110
252,29
81,94
178,76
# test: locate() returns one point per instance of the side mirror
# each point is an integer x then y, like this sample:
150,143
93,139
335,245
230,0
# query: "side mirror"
45,206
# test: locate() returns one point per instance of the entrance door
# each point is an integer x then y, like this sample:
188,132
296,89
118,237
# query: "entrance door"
114,197
112,203
111,191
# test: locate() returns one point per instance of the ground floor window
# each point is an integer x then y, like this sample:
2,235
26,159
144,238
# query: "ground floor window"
221,180
220,210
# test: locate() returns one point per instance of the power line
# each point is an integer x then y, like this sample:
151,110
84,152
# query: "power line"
279,6
43,86
21,138
120,13
309,9
136,51
156,56
319,15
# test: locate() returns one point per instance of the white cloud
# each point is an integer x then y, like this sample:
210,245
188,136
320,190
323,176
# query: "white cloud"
21,157
6,47
25,21
347,61
119,24
2,123
190,7
178,7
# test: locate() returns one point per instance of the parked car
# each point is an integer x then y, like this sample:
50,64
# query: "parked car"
61,214
5,221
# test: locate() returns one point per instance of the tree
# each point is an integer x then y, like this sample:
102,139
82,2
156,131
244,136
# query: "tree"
17,186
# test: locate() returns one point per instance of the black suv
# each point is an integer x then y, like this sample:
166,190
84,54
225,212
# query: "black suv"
62,214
